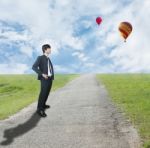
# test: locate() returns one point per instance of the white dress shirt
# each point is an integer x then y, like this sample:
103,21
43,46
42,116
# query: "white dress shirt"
49,69
49,66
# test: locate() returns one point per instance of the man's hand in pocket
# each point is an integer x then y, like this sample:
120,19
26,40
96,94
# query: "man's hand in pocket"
45,76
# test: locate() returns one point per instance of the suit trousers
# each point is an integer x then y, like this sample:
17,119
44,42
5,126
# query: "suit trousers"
46,85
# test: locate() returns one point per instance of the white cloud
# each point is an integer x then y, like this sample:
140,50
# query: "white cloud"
133,56
55,22
14,36
18,68
90,65
26,50
81,56
62,69
42,21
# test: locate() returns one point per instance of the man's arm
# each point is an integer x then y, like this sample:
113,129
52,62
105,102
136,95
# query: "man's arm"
36,65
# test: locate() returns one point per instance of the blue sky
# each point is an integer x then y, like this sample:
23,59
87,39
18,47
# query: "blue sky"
79,45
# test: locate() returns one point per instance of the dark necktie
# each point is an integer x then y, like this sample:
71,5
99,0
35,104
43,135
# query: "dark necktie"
50,66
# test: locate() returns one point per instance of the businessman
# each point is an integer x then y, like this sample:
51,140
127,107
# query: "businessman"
44,68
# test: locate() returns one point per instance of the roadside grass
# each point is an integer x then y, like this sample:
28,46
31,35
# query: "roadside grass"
18,91
131,93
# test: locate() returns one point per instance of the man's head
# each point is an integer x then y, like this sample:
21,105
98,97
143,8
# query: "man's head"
46,48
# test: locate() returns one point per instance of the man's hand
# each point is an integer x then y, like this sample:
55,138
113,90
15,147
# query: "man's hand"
45,76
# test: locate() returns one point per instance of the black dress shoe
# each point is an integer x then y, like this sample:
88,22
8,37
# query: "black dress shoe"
47,106
41,113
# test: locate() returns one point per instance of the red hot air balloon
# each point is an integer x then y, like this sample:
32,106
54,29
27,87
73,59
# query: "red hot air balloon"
98,20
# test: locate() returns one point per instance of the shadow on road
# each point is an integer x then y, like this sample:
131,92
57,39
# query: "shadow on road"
11,133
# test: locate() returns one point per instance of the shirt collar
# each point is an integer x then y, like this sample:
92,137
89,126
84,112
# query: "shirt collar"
45,55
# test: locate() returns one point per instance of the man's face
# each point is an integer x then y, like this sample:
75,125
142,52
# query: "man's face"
48,51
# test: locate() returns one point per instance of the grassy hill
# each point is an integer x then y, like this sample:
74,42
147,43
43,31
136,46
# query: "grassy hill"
18,91
131,93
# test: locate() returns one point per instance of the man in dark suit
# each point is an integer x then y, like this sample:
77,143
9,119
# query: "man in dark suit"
44,68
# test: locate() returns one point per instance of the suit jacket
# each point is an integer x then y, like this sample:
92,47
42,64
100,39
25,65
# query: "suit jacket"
41,66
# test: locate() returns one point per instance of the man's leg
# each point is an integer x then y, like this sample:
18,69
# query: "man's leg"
49,86
42,95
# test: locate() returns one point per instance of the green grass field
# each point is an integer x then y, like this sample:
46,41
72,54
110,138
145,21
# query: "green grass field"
131,93
18,91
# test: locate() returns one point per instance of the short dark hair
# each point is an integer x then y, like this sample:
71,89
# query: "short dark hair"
45,46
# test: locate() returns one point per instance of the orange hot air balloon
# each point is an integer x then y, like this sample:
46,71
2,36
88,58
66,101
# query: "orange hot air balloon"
125,29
